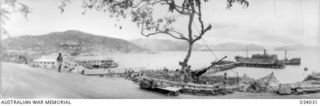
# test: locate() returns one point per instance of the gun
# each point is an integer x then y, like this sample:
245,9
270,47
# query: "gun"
198,73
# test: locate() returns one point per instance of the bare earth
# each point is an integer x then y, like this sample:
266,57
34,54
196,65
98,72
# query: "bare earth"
22,81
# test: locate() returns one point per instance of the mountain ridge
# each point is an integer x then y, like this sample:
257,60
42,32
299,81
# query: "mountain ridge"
170,45
70,39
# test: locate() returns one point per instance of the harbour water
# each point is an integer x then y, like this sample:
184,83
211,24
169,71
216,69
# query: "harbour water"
309,59
21,77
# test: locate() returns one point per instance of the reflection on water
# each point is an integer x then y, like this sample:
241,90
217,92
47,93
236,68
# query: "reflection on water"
309,59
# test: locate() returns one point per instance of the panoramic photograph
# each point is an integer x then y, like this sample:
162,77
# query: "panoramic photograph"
160,49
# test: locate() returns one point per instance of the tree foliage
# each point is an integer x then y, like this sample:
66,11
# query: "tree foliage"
11,6
142,13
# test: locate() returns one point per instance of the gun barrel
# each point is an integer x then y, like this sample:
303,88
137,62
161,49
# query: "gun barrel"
200,72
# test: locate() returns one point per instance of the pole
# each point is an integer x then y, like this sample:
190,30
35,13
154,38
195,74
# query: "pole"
238,78
285,54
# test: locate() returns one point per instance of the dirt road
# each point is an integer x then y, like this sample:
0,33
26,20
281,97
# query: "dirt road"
22,81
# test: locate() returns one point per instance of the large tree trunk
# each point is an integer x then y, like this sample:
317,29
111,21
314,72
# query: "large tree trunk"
186,59
184,64
186,74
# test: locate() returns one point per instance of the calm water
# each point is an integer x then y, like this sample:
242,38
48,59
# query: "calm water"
309,59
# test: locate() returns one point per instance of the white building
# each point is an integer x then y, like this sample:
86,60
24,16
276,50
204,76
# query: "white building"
49,62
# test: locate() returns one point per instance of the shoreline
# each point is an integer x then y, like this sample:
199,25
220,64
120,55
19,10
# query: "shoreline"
22,81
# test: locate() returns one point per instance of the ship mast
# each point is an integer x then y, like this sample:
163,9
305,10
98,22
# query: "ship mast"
285,53
247,51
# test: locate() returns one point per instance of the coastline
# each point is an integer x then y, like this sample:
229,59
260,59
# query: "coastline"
22,81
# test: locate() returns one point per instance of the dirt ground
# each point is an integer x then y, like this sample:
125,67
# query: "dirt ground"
22,81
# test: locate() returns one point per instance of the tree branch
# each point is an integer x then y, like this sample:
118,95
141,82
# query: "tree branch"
202,33
181,9
203,30
166,32
191,17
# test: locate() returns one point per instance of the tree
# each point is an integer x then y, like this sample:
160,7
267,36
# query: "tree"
8,7
142,13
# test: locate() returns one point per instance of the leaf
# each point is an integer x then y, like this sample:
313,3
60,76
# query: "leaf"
172,6
244,3
25,10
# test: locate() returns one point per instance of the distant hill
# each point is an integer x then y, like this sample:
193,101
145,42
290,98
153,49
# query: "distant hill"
70,40
295,47
170,45
236,47
163,44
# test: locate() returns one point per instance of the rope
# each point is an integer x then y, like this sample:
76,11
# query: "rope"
211,51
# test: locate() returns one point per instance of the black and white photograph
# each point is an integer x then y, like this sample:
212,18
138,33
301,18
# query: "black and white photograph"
160,49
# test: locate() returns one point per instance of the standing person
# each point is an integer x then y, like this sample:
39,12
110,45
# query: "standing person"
59,60
225,78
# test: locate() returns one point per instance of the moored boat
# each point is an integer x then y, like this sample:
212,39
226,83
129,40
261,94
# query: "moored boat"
293,61
261,60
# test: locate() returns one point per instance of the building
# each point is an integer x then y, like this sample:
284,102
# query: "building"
46,62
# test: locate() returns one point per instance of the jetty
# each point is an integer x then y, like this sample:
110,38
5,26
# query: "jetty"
261,65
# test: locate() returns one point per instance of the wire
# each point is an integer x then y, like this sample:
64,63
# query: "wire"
205,42
210,49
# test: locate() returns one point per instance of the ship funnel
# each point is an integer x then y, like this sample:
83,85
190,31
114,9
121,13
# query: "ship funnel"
265,51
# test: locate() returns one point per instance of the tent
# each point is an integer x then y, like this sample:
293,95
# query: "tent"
269,81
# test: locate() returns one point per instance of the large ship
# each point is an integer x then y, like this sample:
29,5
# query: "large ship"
261,60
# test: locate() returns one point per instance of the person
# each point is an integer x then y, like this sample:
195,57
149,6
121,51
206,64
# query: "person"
225,78
59,61
20,59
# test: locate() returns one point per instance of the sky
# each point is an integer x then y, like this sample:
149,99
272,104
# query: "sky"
264,22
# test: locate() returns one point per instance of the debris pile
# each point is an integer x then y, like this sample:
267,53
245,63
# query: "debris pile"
268,83
313,76
310,85
209,85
